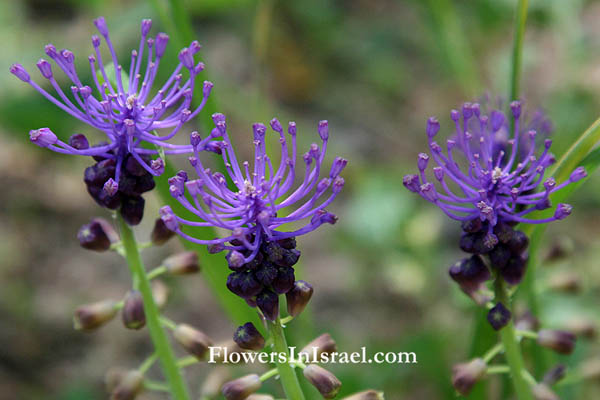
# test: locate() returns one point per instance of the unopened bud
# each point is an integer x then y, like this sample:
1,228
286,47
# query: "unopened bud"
527,322
193,341
323,344
113,378
562,342
133,310
211,387
555,374
566,282
541,391
91,316
129,387
466,375
97,235
248,337
160,234
160,293
182,263
241,388
582,327
298,297
366,395
326,383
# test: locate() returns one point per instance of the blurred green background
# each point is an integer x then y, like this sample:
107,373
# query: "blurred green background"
376,69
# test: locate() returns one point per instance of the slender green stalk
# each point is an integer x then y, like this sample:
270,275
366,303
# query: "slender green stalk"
517,56
289,380
512,349
159,338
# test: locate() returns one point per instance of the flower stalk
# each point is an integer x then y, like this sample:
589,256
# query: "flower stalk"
512,350
289,380
160,341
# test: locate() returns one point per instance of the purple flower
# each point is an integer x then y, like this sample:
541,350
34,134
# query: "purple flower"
251,207
125,107
493,186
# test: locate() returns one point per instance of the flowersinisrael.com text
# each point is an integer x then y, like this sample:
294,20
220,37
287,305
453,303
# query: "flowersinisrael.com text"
224,355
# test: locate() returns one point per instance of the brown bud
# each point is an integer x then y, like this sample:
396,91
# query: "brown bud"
160,234
323,344
211,387
527,322
133,314
541,391
241,388
97,235
182,263
466,375
160,293
298,297
366,395
562,342
113,377
326,383
129,387
565,282
193,341
582,327
91,316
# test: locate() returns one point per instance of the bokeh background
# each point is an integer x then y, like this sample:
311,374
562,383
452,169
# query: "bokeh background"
376,69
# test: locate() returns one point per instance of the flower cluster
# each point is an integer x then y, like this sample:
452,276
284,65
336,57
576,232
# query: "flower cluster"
495,190
126,109
260,253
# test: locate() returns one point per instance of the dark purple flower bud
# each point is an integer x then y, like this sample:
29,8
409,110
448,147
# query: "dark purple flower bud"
323,130
433,127
422,162
182,263
578,174
248,337
133,314
215,248
366,395
20,72
323,344
43,137
518,242
160,233
472,225
100,23
499,256
241,388
541,391
326,383
555,374
111,187
268,303
514,270
45,68
273,251
498,316
284,281
466,375
97,235
468,242
562,211
132,209
266,273
91,316
288,243
504,232
298,297
192,340
79,141
515,107
146,25
562,342
129,386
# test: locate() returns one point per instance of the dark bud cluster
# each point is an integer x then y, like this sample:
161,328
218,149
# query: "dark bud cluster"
268,275
134,180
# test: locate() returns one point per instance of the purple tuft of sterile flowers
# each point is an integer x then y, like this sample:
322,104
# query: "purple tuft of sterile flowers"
126,107
248,203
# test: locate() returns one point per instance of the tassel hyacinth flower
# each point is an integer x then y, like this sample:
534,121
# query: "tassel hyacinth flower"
127,109
261,251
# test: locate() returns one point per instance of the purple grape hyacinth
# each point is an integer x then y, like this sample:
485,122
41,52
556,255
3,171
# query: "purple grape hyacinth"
261,251
126,109
493,187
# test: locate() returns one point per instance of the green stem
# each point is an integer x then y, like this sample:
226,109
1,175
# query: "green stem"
159,338
289,380
517,56
512,349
